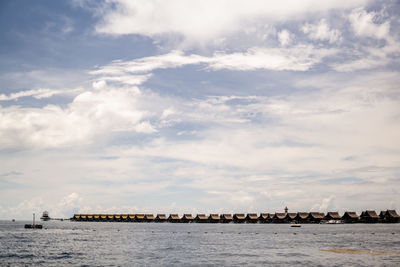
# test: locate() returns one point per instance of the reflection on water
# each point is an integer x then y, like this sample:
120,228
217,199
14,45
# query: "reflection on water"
110,244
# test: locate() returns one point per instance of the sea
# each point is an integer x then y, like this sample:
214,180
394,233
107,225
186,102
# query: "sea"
71,243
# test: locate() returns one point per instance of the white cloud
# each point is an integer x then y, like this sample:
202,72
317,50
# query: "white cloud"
284,37
205,20
322,31
38,94
296,58
364,24
89,115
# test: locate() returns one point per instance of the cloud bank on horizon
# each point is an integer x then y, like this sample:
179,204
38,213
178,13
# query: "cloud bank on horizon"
188,106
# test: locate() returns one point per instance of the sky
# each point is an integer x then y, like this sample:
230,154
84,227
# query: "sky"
146,106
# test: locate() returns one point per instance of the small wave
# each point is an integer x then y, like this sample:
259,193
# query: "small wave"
359,251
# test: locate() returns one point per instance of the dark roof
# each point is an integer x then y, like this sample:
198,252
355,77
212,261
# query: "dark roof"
226,216
187,216
214,216
370,214
333,214
161,216
302,215
350,214
174,216
316,215
252,216
149,216
392,213
290,216
201,217
239,216
280,216
264,216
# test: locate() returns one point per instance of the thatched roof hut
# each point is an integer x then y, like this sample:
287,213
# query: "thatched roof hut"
214,218
149,217
83,217
315,217
174,218
332,215
124,217
302,217
161,218
389,216
350,217
96,217
251,218
290,217
264,218
117,217
110,217
239,218
279,217
90,217
226,218
103,217
187,218
76,217
131,217
369,216
140,218
201,218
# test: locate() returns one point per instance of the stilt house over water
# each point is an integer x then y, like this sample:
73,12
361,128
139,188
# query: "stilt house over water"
315,217
214,218
201,218
369,216
149,217
226,218
140,218
239,218
332,215
264,218
252,218
187,218
161,218
301,217
290,217
389,216
174,218
350,217
279,217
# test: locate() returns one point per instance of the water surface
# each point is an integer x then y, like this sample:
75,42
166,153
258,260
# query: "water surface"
152,244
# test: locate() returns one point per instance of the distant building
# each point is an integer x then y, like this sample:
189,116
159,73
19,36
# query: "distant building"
389,216
45,216
350,217
369,216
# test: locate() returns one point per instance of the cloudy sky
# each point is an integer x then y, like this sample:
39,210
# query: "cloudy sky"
199,106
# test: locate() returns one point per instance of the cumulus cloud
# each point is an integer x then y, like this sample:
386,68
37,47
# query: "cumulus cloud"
205,20
373,54
321,31
367,24
284,37
90,114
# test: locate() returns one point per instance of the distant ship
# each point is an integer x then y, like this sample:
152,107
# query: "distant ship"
45,216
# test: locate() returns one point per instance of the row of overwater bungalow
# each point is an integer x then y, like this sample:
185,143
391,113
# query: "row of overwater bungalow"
369,216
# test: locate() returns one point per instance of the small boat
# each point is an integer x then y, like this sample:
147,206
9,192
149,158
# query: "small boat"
332,222
33,225
295,224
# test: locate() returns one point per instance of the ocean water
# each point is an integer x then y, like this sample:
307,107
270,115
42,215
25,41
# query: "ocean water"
152,244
